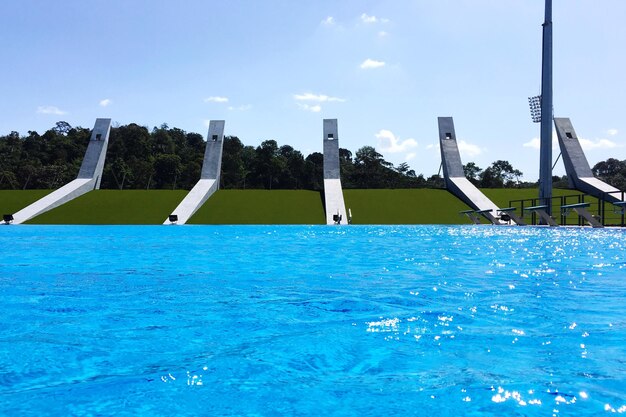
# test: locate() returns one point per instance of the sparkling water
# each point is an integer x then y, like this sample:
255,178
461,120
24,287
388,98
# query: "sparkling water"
312,320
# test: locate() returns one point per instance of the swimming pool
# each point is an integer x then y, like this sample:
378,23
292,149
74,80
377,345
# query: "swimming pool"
310,320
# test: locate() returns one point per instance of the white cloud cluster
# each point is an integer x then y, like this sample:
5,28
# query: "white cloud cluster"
368,19
468,149
312,108
319,98
216,99
50,110
590,145
315,100
534,143
365,18
586,144
105,102
390,143
612,132
328,21
243,107
371,63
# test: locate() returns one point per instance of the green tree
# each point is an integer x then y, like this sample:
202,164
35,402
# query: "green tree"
612,171
472,172
499,174
167,168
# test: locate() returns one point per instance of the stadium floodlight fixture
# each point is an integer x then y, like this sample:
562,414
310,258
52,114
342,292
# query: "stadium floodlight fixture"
535,108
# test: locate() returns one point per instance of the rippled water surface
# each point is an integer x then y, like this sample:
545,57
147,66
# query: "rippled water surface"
340,321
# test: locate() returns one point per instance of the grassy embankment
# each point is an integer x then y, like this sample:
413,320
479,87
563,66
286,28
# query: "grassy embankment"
12,201
402,206
101,207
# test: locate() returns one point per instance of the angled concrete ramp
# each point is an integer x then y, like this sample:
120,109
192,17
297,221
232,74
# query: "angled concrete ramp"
333,193
209,177
454,177
88,178
579,174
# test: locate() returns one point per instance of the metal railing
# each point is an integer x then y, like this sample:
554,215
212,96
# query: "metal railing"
603,208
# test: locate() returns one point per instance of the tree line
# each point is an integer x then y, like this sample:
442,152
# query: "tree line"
170,158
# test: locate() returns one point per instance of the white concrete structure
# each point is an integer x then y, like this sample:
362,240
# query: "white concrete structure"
333,193
209,178
579,173
454,176
88,178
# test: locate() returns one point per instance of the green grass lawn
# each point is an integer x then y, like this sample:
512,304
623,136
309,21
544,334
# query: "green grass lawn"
399,206
261,207
404,206
115,207
12,201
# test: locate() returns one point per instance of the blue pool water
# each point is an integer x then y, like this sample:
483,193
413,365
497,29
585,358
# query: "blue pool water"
312,320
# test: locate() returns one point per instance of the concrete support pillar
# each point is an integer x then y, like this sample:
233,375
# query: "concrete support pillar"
333,193
209,177
89,176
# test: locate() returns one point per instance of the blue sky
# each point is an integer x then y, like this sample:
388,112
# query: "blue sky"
274,69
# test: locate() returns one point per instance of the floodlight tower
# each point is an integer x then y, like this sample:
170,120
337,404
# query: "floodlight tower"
545,161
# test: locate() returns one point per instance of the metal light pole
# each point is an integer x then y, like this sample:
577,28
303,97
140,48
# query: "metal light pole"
545,162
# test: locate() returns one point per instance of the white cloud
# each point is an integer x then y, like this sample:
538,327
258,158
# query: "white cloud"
243,107
432,146
586,144
216,99
105,102
329,21
319,98
590,145
50,110
365,18
382,34
371,63
612,132
409,156
368,19
315,109
388,142
468,149
534,143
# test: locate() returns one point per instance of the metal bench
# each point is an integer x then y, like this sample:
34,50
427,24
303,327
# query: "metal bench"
580,209
541,211
471,214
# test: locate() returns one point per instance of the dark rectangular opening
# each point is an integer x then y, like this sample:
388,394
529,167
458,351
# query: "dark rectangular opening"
331,136
98,136
569,135
448,135
214,138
